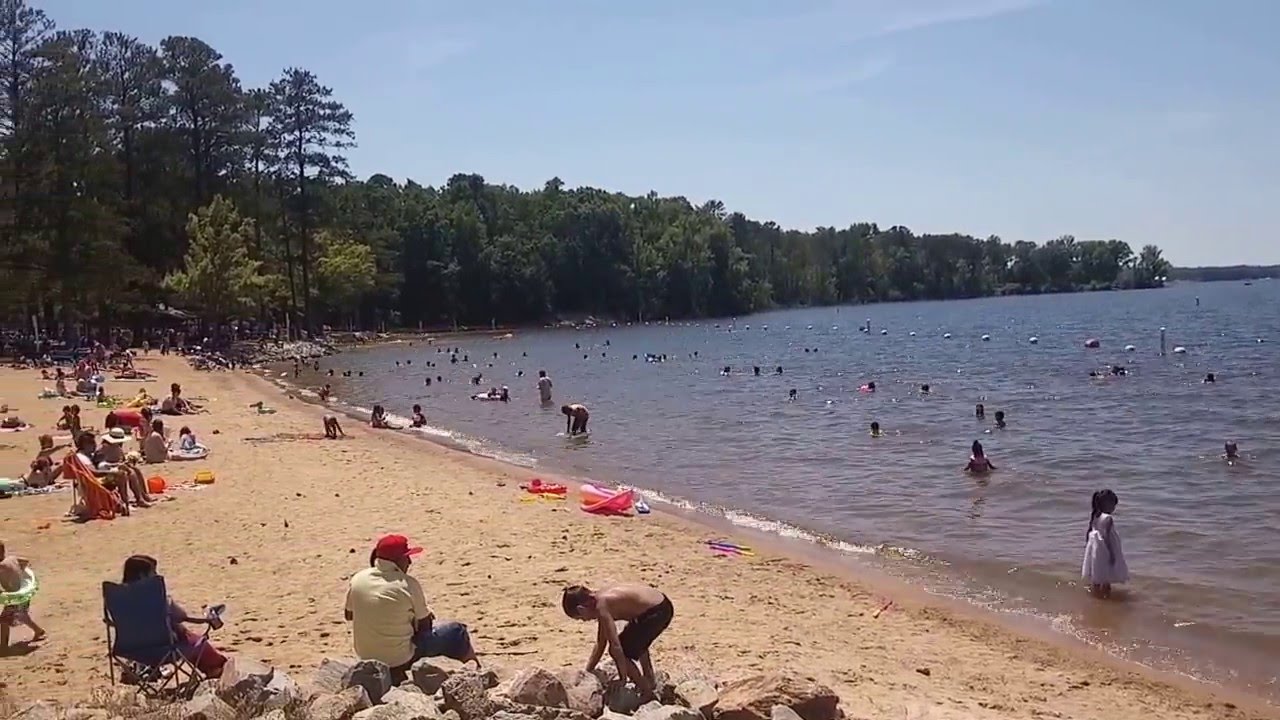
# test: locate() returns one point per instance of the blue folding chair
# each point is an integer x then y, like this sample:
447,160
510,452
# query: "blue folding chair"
141,643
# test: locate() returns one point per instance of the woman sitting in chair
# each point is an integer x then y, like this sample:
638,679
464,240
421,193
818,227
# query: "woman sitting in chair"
195,648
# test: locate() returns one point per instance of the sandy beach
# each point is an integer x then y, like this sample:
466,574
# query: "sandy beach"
292,516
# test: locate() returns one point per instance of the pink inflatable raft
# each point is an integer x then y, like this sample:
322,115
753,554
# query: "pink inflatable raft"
603,501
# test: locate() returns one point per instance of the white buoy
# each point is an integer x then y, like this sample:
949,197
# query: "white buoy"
835,327
986,338
764,327
946,336
1262,340
1033,340
748,327
1129,348
808,327
1179,350
912,333
886,332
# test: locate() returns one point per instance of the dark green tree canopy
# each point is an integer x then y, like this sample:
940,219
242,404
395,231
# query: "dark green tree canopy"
132,175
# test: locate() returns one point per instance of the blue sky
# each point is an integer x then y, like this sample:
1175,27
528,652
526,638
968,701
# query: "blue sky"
1151,121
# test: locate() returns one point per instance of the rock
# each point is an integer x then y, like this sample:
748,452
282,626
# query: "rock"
277,714
280,692
583,691
465,693
427,676
86,714
450,715
536,686
507,715
654,711
621,697
782,712
697,694
243,681
342,706
208,707
413,699
753,698
924,671
372,675
611,715
329,676
407,686
39,710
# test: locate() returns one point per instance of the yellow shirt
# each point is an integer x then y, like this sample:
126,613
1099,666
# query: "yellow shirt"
385,605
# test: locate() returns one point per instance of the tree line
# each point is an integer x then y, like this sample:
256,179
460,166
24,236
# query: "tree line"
1225,272
134,176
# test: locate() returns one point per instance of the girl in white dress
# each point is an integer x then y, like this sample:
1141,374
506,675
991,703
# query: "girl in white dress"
1104,563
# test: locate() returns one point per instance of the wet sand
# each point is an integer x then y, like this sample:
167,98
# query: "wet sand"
292,516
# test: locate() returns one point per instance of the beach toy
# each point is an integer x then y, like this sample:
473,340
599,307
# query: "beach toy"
156,484
24,593
726,547
205,477
537,487
1092,343
602,501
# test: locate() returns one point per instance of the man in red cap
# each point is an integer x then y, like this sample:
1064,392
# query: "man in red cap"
390,620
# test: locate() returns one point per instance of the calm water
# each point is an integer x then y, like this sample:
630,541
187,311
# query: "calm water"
1202,538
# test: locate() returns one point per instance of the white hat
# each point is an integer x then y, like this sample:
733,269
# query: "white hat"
115,436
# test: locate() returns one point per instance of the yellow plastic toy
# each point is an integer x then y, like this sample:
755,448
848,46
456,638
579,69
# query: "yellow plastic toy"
204,477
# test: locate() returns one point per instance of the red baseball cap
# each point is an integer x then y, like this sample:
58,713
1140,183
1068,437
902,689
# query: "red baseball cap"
394,547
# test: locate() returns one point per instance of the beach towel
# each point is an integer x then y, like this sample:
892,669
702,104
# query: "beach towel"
99,502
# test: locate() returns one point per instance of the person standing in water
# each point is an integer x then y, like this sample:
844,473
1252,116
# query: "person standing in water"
544,387
978,462
577,415
1104,563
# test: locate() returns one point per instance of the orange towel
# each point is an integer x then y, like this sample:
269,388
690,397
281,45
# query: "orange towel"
100,503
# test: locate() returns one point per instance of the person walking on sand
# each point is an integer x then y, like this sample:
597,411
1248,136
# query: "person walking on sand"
12,571
647,613
544,387
1104,563
577,417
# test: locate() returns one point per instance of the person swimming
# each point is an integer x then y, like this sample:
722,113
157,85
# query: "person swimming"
979,464
755,370
1000,419
979,411
1209,378
791,396
1230,451
924,389
777,370
875,430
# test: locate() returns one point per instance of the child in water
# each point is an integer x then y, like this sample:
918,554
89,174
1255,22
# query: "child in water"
418,420
1000,419
1104,563
647,612
875,430
979,411
1230,452
978,462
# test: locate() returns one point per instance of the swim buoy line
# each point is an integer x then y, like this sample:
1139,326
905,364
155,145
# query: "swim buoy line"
23,595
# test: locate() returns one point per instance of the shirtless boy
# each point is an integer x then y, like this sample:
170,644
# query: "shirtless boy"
647,613
12,569
577,415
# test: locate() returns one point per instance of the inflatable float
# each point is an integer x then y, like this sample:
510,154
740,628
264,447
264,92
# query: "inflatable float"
486,396
24,594
199,452
16,428
603,501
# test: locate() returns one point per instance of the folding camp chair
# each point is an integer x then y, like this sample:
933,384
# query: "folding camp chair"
142,645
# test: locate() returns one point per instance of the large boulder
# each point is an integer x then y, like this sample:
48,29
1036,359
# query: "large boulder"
40,710
537,686
428,676
655,711
252,687
583,691
466,694
329,676
753,698
84,713
697,694
372,675
402,705
340,706
782,712
622,697
207,707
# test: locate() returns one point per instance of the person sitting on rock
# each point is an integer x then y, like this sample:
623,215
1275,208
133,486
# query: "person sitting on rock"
390,620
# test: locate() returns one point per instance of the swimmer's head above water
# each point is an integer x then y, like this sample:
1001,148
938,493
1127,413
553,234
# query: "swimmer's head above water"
1230,451
1000,418
875,429
979,410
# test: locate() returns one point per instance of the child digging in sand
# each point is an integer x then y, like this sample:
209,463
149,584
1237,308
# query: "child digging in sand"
12,571
647,613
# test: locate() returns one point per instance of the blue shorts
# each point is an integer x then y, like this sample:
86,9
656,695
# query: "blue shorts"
449,639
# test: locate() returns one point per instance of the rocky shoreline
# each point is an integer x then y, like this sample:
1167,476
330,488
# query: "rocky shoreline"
349,689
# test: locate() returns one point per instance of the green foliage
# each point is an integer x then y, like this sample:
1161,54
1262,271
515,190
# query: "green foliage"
124,170
219,278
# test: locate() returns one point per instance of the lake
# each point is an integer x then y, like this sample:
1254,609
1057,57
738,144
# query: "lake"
1202,537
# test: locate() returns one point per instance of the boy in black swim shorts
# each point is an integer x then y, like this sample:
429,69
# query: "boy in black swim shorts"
647,613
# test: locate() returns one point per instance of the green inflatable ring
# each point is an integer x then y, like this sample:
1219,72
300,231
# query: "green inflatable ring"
23,595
